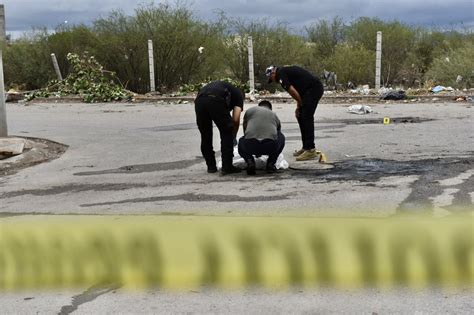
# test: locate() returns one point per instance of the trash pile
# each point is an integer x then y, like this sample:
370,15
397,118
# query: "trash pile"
395,95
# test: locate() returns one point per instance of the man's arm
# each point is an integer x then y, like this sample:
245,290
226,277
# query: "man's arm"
278,123
299,101
244,121
236,120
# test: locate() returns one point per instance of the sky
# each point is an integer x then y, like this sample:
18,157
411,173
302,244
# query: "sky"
22,15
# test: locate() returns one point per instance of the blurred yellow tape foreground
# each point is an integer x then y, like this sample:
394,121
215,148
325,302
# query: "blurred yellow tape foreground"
235,252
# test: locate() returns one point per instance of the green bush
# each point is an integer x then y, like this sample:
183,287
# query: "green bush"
397,40
447,67
353,63
189,88
27,62
178,36
189,52
273,45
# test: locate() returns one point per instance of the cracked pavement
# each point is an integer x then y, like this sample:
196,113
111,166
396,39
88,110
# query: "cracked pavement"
145,159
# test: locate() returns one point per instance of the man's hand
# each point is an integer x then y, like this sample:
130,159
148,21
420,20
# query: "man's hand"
297,112
236,120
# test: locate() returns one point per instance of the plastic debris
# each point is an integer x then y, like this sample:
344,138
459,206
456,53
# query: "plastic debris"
440,88
360,109
394,95
384,90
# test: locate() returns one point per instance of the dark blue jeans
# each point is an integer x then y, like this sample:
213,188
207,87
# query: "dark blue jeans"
306,120
250,147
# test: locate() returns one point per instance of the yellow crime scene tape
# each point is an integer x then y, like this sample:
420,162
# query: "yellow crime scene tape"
183,252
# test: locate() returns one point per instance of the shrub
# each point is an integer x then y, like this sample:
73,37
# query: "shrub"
446,68
353,63
273,45
27,62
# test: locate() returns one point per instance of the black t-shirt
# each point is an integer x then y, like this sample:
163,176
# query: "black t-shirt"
224,90
301,79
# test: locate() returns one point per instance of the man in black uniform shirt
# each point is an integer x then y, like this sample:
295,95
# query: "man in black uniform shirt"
307,90
213,104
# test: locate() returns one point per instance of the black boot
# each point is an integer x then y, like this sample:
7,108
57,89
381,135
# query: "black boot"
271,168
211,169
211,164
230,170
250,167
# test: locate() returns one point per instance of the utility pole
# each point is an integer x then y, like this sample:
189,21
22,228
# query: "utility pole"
3,33
378,61
251,67
151,63
3,110
56,67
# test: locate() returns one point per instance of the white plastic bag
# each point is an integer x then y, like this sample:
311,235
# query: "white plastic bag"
359,109
260,162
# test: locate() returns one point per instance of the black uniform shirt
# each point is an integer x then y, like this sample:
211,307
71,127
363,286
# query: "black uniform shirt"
226,91
301,79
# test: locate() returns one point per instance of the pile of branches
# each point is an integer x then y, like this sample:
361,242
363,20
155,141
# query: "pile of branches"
87,79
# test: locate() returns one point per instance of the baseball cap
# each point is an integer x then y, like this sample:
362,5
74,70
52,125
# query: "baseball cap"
268,73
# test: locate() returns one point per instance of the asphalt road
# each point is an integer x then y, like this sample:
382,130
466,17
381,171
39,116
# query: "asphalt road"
135,159
145,159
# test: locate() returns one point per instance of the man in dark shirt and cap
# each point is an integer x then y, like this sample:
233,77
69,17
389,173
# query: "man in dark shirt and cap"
307,90
262,136
213,104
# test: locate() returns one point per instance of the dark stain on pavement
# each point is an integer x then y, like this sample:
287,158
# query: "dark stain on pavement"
371,121
19,214
74,188
85,297
428,186
189,126
340,123
367,170
146,168
193,198
298,138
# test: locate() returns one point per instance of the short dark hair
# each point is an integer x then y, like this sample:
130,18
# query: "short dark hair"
266,104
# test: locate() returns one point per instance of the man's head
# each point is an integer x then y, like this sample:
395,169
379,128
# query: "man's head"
270,73
266,104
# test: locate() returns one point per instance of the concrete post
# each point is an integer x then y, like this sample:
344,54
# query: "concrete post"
3,110
56,67
3,33
251,67
378,61
151,63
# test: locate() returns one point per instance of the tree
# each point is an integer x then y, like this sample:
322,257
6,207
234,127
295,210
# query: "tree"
397,42
353,63
457,62
273,45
